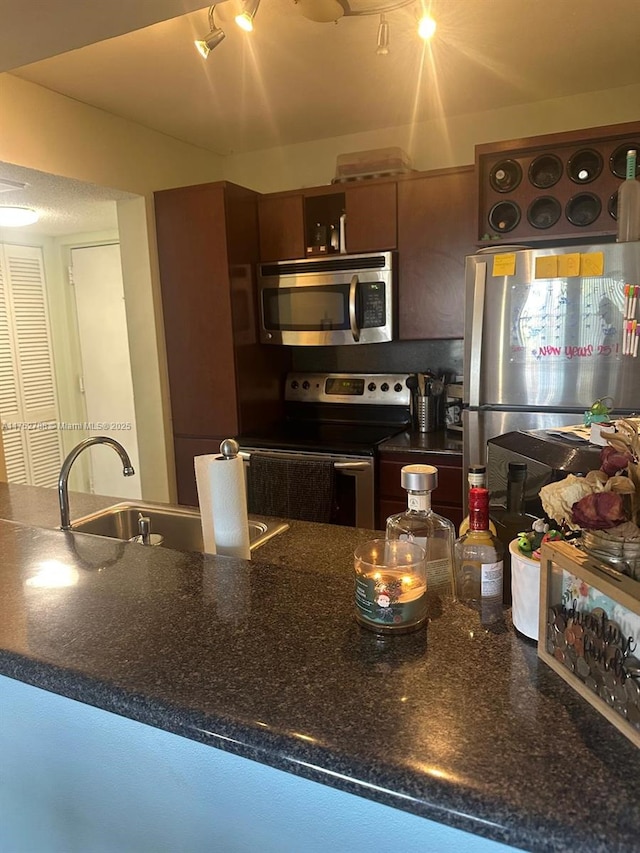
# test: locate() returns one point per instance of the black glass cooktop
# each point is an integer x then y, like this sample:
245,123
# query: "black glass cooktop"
353,439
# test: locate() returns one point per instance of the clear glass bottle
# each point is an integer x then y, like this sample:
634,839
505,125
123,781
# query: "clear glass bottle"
421,524
479,562
476,477
629,203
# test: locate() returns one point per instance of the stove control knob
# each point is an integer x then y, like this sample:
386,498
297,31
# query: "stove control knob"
397,387
294,384
384,386
306,385
371,386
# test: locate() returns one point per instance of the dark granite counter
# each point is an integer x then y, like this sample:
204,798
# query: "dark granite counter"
265,660
442,442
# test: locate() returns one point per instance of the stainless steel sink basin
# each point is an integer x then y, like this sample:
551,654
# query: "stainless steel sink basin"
178,526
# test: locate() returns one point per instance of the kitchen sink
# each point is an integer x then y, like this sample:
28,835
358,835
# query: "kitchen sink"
174,527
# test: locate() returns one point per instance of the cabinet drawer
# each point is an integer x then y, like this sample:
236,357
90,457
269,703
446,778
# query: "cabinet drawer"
449,490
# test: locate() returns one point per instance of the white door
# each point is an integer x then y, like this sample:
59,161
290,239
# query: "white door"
28,399
106,366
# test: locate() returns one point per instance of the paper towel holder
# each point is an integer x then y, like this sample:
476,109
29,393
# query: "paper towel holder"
229,448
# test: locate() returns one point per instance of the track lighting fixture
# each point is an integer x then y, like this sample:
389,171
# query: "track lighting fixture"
212,38
320,11
325,11
245,19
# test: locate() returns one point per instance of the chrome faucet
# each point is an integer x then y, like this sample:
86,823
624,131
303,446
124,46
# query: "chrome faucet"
63,479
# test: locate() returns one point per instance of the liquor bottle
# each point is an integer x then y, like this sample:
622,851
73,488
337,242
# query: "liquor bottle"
629,203
422,525
479,562
476,476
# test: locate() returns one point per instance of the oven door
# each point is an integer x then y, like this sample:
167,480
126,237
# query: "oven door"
354,484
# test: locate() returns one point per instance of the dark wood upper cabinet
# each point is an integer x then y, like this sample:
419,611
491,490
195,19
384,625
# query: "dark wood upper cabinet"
372,214
288,222
222,381
281,224
436,231
196,304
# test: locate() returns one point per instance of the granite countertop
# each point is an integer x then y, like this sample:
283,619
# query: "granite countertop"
265,660
443,442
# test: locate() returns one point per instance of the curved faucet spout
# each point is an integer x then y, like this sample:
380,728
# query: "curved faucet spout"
63,479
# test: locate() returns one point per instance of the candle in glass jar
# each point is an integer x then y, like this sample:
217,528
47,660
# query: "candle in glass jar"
390,585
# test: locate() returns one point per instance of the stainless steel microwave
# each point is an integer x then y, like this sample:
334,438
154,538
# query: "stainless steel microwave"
342,299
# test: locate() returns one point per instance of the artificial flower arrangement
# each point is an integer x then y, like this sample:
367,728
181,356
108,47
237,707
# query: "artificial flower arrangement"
606,500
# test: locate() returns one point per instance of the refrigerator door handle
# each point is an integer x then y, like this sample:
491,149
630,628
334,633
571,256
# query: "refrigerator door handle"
477,322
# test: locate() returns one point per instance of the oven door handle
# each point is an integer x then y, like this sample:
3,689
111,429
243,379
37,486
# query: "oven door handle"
353,289
351,466
341,466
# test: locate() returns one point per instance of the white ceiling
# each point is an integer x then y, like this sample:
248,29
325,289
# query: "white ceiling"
293,80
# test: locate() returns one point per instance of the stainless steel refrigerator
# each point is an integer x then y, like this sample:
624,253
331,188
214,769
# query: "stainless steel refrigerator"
545,335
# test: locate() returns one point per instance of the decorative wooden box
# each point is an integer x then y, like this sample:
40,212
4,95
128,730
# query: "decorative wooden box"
589,632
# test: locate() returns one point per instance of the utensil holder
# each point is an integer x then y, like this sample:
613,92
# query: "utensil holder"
426,413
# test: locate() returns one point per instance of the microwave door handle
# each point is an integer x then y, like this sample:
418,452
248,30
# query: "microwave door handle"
353,288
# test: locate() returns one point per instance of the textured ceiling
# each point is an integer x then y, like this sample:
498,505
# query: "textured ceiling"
293,80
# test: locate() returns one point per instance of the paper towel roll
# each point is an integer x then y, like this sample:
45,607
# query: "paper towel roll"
203,485
223,505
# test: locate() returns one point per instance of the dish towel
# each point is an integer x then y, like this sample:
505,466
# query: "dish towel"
291,488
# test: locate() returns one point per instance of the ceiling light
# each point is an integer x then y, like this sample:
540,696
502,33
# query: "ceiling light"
426,27
324,11
212,39
383,37
14,217
321,11
245,19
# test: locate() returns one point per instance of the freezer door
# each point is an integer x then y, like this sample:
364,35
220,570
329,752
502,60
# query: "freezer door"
543,336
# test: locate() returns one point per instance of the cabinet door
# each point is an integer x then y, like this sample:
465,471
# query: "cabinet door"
371,217
281,223
446,499
436,230
196,302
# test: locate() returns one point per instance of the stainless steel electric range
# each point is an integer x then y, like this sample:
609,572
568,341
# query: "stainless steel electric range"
343,417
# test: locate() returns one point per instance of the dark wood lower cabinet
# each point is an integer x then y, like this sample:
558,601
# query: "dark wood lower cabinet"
446,500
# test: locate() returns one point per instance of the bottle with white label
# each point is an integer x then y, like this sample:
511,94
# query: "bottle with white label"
479,562
422,525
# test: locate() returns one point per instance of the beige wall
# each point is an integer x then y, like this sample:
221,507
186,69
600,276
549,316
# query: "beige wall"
432,145
40,129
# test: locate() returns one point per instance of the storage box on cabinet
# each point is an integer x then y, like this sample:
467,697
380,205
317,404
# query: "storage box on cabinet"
446,499
557,186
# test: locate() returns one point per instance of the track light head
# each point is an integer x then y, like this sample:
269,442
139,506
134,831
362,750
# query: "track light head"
383,37
211,40
245,19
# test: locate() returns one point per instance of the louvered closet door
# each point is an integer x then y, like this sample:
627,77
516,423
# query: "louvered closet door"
28,395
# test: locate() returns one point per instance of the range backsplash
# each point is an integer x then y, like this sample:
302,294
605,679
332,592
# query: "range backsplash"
395,357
